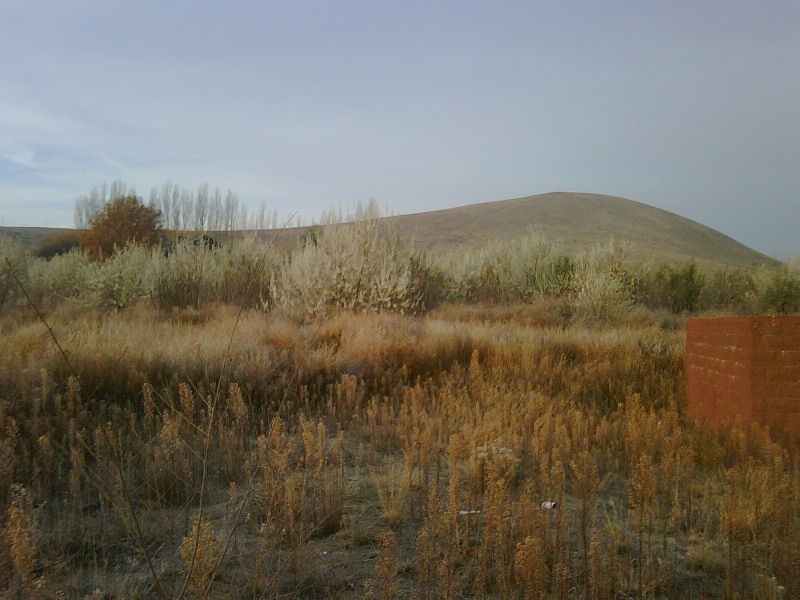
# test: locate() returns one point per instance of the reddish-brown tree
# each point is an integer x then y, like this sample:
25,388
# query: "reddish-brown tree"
123,220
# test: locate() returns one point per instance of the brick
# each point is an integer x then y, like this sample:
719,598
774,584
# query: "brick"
777,404
779,325
776,389
778,341
709,363
772,372
747,366
777,358
717,324
721,353
726,339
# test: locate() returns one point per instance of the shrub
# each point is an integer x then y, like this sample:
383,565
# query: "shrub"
480,284
62,278
124,279
12,257
511,271
123,221
194,275
782,291
675,288
729,288
199,551
360,267
238,273
431,279
602,286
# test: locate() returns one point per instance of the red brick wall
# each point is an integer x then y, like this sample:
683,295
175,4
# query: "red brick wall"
747,366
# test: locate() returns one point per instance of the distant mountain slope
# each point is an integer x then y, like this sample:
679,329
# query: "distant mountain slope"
27,237
580,220
577,220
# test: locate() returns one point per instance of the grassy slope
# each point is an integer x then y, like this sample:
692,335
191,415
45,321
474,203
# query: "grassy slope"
579,220
27,236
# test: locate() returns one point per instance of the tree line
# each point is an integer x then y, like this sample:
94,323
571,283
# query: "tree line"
182,209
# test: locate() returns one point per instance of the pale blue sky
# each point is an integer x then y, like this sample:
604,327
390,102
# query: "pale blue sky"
690,106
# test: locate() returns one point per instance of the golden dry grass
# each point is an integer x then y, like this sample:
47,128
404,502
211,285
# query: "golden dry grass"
380,456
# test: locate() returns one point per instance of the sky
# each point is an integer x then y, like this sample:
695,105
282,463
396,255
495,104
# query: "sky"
691,106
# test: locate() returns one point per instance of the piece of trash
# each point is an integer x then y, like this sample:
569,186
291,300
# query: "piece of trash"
469,512
485,452
549,505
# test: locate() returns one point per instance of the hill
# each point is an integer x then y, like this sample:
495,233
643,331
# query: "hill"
28,237
578,220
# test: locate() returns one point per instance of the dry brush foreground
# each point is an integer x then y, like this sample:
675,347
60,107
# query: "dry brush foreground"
236,454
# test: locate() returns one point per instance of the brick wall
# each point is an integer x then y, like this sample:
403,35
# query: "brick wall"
747,366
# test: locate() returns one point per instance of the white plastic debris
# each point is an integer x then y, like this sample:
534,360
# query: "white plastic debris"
485,452
549,505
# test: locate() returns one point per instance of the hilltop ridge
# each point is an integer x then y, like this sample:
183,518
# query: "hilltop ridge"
577,220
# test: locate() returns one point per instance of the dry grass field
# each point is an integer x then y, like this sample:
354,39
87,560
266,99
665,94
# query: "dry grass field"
212,453
347,422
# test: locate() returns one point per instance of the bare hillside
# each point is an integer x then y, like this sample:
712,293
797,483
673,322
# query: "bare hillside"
578,220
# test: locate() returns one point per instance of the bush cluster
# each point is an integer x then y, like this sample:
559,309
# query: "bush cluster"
363,266
512,271
596,281
686,289
359,267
